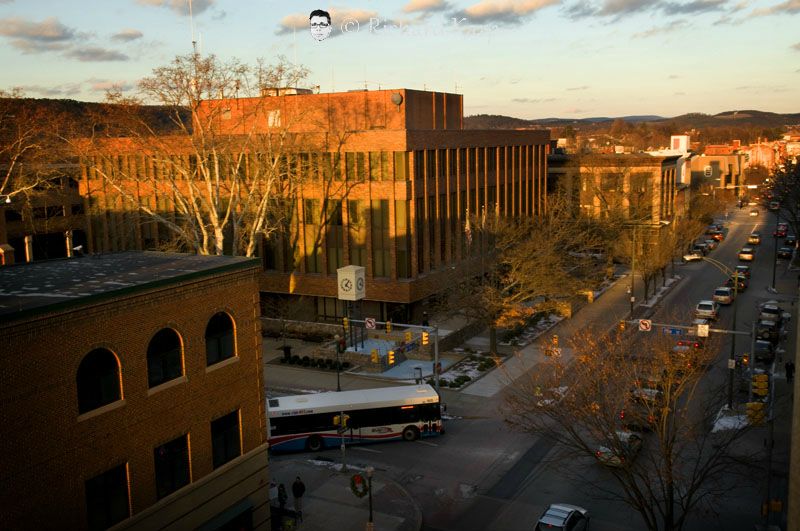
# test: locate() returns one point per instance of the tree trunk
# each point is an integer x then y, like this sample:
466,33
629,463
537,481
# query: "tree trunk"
493,340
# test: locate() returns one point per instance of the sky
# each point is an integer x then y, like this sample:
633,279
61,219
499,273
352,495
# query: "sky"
525,58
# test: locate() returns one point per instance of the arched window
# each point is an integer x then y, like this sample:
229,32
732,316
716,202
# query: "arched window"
164,360
98,380
219,339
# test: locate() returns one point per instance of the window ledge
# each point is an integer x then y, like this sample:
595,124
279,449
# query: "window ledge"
224,363
166,385
101,410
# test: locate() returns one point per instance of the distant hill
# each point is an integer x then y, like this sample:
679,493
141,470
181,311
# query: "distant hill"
744,118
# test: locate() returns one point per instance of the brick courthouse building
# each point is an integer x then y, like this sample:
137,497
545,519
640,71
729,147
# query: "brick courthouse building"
132,392
407,175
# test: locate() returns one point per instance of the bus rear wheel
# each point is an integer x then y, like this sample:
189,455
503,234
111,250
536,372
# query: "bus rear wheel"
314,443
411,433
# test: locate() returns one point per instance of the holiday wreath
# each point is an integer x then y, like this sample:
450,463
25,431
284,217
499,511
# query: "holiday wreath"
359,485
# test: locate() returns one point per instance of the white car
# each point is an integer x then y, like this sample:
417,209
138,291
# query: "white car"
707,310
564,517
692,256
723,295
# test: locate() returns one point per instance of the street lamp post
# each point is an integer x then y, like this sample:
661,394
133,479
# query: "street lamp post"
370,523
774,255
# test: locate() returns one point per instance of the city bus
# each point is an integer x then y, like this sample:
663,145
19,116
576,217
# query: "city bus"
314,422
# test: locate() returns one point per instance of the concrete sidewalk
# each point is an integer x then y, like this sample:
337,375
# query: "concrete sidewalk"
330,504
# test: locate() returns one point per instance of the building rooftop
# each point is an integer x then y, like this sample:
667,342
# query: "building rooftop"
53,284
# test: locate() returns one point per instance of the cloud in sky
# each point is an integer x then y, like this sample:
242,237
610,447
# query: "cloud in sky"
533,100
582,87
180,6
790,7
127,35
299,21
92,54
796,47
103,85
425,6
654,32
35,37
68,89
502,11
620,8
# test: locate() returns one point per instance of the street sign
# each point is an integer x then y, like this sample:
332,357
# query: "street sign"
645,325
702,330
731,364
673,331
369,323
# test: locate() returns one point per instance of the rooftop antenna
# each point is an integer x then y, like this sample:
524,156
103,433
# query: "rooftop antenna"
191,27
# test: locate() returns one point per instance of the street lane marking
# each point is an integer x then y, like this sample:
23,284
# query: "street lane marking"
363,449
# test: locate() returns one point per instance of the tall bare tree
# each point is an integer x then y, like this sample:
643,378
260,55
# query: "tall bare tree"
29,147
224,172
611,387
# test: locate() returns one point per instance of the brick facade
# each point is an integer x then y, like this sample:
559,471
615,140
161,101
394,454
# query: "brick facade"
49,450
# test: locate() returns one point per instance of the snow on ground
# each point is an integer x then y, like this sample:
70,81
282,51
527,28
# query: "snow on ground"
652,301
727,420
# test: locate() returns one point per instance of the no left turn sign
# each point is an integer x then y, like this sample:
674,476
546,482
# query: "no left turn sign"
369,323
645,325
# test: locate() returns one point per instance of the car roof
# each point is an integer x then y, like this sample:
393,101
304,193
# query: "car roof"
705,302
558,512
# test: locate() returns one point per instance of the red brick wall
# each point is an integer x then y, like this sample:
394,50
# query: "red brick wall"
47,453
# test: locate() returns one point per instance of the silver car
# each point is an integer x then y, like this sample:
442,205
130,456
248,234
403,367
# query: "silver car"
563,517
707,310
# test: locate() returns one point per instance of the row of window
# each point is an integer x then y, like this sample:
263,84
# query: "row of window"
99,373
107,496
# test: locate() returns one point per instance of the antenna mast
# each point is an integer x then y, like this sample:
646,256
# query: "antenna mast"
191,27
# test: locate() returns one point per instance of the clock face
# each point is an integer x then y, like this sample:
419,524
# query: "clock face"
346,285
359,284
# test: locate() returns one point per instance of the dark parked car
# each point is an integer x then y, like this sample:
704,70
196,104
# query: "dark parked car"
764,351
743,270
742,281
785,253
768,331
790,241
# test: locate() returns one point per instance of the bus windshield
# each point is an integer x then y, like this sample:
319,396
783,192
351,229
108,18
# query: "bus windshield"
325,420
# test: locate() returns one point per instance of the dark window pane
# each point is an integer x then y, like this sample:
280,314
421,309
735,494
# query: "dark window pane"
219,339
225,438
98,380
107,498
172,466
164,357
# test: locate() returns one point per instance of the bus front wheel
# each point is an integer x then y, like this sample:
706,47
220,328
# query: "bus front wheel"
314,443
411,433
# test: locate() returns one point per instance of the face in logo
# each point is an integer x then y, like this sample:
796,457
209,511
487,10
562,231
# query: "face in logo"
320,22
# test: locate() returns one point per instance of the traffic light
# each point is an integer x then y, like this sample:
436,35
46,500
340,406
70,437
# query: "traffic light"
341,420
391,357
622,326
746,360
373,356
426,338
756,413
760,384
555,340
388,326
408,336
345,323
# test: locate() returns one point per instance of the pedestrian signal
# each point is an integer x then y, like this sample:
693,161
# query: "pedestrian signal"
391,357
388,326
408,337
622,326
374,356
345,323
426,338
